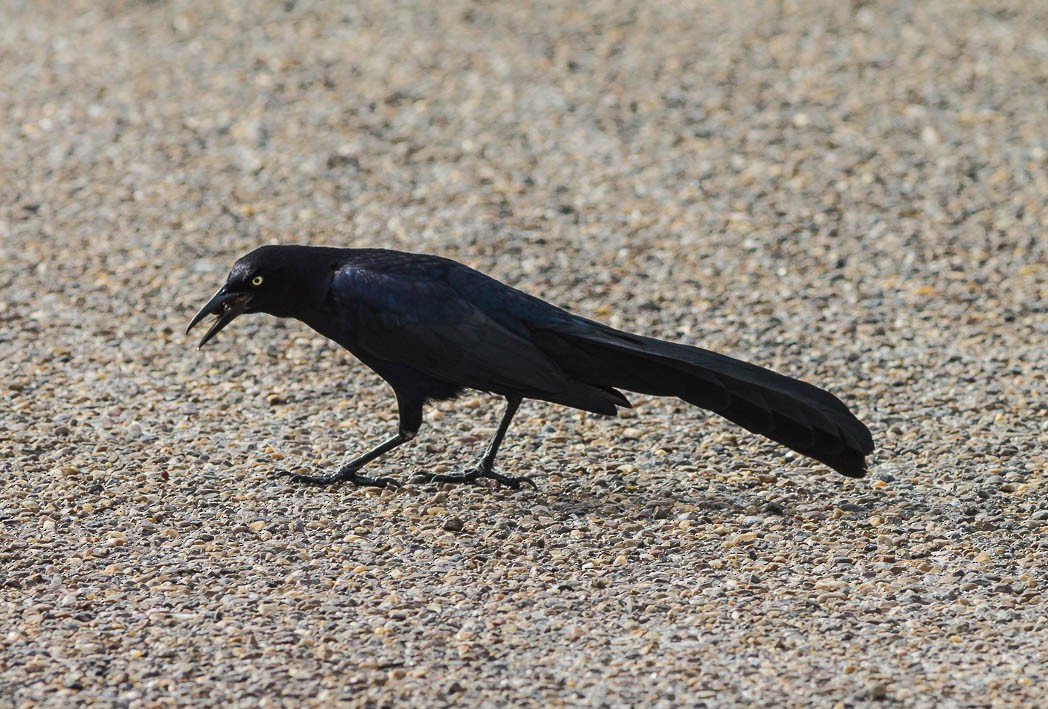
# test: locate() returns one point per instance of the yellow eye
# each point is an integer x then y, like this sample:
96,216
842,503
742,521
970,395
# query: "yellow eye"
256,281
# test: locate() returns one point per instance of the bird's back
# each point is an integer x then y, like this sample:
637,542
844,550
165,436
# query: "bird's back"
511,308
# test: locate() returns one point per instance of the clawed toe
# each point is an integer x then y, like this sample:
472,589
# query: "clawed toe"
305,479
514,482
340,476
474,475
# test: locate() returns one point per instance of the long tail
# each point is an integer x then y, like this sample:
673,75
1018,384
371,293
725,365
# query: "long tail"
796,414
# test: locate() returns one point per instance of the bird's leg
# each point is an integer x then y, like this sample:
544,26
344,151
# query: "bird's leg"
410,421
485,466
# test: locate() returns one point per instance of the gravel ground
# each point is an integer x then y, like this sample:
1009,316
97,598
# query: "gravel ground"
853,193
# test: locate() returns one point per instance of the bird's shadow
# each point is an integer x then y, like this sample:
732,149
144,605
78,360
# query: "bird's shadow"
611,496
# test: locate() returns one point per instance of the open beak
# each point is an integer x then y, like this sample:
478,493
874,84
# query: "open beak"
223,304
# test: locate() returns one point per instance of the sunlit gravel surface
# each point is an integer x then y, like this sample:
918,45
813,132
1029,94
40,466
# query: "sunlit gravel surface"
850,192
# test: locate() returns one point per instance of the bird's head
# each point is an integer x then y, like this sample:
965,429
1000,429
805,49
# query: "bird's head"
278,280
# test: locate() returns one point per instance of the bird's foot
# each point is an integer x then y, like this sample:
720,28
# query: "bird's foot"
476,473
343,474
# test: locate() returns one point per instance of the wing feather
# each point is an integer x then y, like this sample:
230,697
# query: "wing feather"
424,322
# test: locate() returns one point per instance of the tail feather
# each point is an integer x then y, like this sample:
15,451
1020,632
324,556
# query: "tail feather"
801,416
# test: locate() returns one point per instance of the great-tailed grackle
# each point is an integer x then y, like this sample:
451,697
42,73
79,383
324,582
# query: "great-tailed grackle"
432,327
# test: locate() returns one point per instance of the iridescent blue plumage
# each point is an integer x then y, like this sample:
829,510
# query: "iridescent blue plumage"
432,327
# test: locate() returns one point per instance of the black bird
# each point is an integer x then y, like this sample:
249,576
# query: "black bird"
432,327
